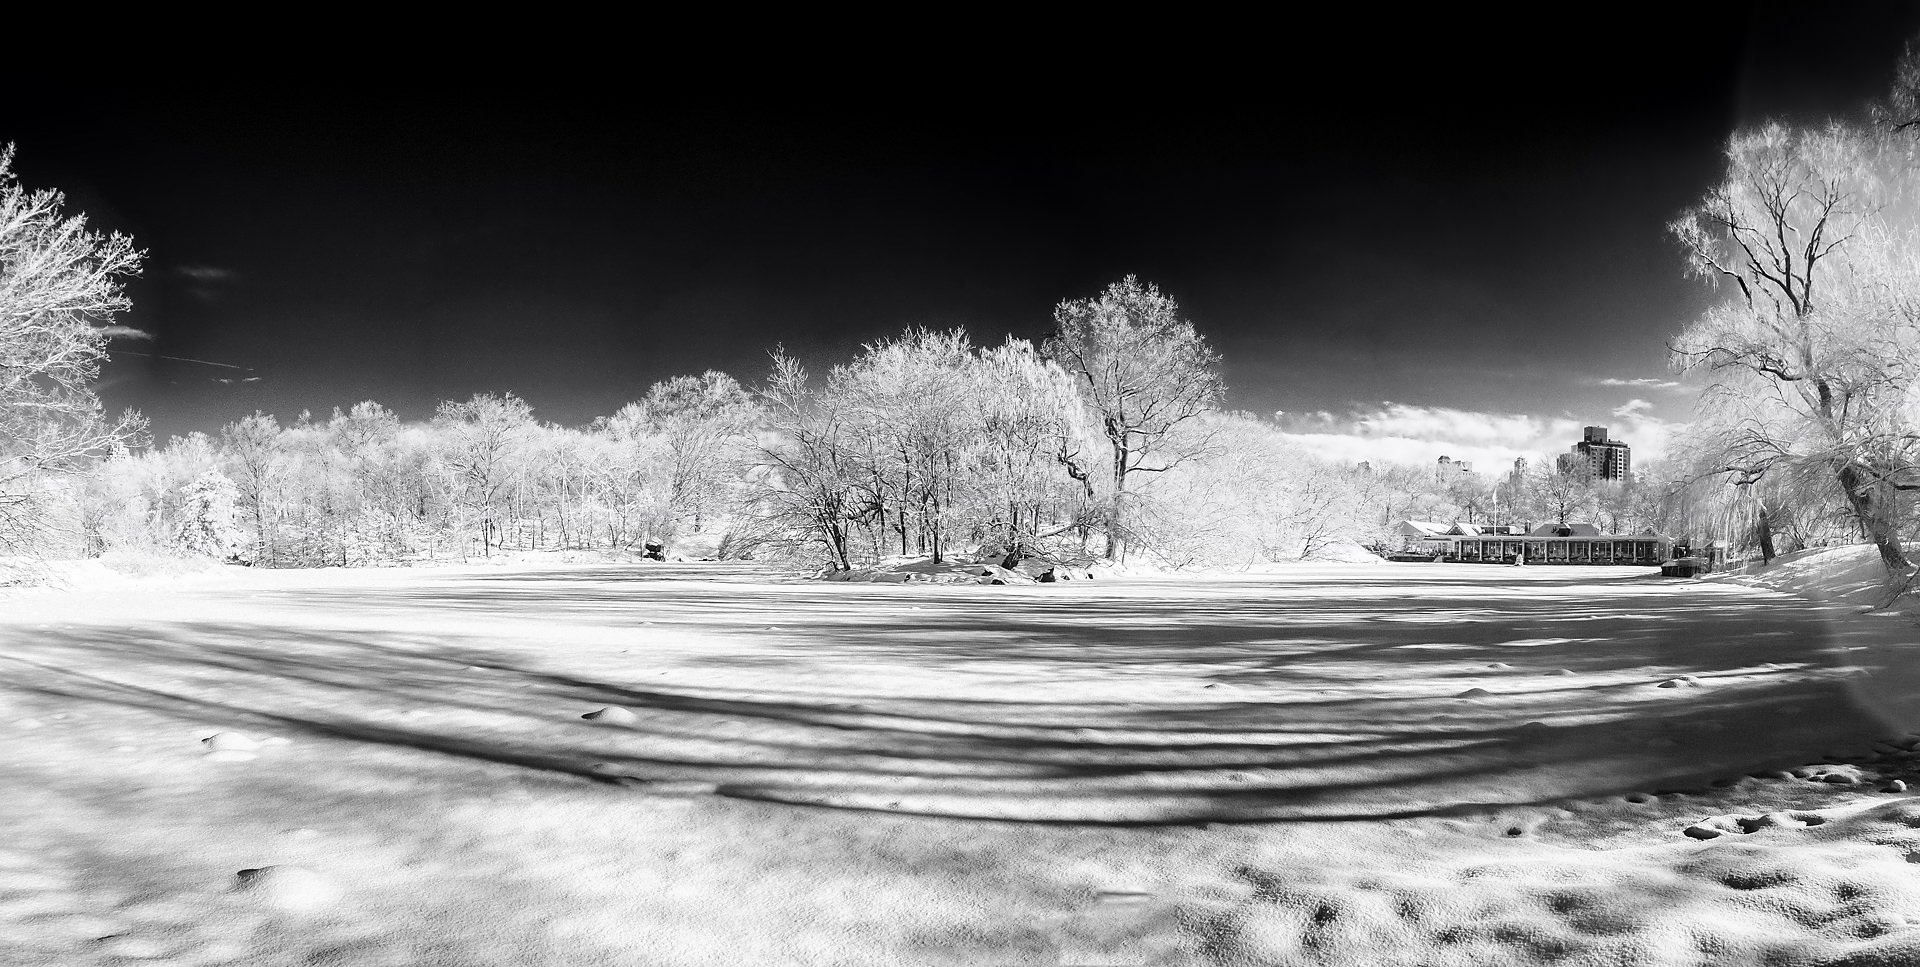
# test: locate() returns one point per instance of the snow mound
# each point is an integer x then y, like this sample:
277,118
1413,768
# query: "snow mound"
291,888
611,715
115,569
229,747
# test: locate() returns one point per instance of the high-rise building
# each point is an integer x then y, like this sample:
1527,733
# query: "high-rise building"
1598,457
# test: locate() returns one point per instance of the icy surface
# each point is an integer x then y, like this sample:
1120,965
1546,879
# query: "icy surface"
683,764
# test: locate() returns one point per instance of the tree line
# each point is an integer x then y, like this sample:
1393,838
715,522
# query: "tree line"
363,487
1103,440
1107,438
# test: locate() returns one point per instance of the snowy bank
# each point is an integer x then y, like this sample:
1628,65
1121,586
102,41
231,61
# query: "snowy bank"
981,569
904,570
1837,575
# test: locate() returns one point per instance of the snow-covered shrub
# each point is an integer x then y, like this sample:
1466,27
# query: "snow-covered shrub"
207,517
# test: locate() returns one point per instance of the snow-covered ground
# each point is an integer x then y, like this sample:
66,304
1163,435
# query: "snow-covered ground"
1841,575
1362,764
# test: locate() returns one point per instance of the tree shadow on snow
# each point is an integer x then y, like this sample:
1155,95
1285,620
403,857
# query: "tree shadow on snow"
1242,701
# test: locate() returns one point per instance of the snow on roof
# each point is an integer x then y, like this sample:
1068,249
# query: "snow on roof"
1425,528
1573,530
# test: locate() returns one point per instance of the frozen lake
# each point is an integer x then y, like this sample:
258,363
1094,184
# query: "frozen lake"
886,771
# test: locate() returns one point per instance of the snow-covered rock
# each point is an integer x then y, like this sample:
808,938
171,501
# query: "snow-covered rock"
229,747
292,888
611,715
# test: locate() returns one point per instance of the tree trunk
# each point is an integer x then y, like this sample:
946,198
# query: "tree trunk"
1864,497
1764,526
1116,523
837,540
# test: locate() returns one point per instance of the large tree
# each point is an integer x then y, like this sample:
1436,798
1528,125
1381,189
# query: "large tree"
1145,371
1560,494
1813,343
702,426
256,463
806,487
486,440
917,445
1899,111
1033,426
60,289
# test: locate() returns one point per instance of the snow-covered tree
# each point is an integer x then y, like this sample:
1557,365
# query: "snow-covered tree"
256,465
1034,434
804,490
906,399
1253,498
1563,495
1815,342
1144,370
60,290
207,517
629,479
486,441
701,426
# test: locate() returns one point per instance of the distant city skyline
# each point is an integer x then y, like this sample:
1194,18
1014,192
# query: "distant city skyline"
1490,441
1404,243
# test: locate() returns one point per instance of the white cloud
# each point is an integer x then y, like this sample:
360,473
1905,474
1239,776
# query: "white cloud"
126,332
1412,434
205,273
1639,383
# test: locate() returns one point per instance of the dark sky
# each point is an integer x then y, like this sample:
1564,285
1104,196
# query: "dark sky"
1440,214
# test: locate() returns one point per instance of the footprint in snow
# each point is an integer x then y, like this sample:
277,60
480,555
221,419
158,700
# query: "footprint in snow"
1718,826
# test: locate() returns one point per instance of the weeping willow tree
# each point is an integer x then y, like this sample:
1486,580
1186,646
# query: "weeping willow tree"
1814,345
